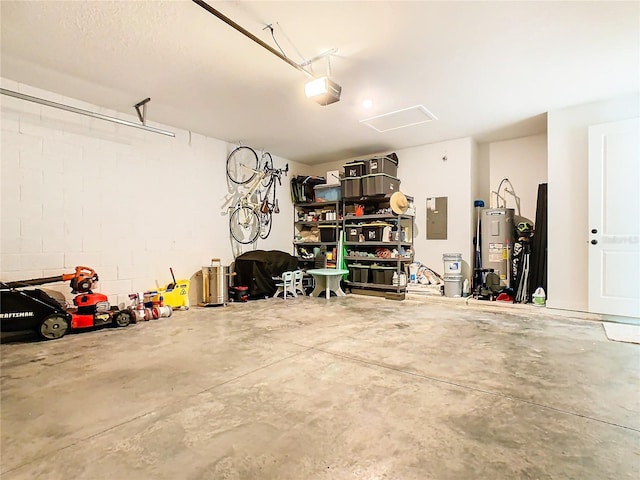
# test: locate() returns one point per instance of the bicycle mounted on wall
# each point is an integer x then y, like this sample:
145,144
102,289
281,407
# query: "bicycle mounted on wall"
252,214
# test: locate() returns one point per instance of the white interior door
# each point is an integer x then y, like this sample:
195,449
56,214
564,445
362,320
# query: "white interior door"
614,218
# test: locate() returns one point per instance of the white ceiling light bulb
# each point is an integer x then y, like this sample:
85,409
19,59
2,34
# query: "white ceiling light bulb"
323,90
368,103
317,86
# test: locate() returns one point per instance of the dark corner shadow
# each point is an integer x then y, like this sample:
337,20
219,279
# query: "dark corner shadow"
27,336
30,336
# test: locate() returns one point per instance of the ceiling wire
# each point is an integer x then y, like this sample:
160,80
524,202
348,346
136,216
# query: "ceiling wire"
270,27
290,42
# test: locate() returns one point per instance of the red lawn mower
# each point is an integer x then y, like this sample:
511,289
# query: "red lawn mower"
36,310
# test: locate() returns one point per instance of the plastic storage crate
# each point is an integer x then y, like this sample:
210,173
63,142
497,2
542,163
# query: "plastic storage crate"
379,184
381,165
382,275
353,232
327,233
372,232
327,193
354,169
351,187
359,273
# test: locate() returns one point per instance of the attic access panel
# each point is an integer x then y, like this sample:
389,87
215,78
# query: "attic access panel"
400,119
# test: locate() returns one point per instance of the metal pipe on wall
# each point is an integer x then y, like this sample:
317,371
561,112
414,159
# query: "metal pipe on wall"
80,111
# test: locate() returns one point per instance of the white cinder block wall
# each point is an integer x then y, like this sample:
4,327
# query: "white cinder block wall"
128,203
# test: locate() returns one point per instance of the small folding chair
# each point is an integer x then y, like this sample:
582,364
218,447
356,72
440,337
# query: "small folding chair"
286,285
298,287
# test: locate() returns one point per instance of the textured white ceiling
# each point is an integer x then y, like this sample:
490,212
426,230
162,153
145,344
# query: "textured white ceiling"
485,69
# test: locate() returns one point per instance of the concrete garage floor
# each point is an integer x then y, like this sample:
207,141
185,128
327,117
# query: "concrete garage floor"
351,388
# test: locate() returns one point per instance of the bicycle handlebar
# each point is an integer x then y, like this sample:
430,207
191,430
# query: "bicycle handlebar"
272,171
262,174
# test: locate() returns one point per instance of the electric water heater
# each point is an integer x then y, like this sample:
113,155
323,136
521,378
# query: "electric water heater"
497,237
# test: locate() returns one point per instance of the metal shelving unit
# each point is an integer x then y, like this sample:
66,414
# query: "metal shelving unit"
315,209
399,244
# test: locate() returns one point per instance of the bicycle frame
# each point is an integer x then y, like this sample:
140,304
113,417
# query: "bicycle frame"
246,199
249,219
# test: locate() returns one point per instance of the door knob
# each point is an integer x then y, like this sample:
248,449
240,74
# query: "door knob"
594,230
594,242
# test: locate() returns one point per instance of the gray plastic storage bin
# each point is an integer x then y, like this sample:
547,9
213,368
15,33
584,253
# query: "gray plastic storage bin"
381,165
354,169
364,273
382,275
379,184
359,273
351,187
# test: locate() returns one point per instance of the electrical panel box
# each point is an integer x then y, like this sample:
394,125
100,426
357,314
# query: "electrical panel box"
437,218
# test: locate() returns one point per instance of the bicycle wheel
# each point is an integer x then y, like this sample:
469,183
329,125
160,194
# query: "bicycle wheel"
242,164
266,165
265,225
244,225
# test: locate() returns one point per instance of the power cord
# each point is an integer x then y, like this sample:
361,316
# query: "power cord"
270,27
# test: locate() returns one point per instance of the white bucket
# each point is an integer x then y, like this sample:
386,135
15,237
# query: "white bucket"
453,285
452,263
